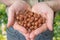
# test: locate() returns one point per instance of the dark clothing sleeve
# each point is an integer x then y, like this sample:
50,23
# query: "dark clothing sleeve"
15,35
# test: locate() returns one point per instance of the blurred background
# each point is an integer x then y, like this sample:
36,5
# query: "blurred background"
3,22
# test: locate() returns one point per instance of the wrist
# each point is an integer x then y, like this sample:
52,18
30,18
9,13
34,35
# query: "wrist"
55,5
8,2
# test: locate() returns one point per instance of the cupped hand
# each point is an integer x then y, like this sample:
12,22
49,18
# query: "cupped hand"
14,9
46,12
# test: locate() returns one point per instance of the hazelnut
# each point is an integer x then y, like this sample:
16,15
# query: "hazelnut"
33,23
35,27
28,19
36,23
25,22
30,13
31,27
28,24
36,19
39,25
17,17
24,25
19,22
44,20
32,18
35,15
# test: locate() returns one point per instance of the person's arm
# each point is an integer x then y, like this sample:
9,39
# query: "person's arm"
8,2
55,4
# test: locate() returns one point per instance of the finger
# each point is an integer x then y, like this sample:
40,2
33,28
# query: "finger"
10,17
40,30
21,5
32,35
27,38
20,12
50,17
32,39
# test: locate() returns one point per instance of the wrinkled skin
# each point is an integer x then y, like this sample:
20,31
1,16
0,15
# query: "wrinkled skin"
46,11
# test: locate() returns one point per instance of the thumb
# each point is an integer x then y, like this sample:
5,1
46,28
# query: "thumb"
27,37
10,17
50,17
32,35
32,39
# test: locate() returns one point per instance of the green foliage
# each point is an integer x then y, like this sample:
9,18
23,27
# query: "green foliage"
57,26
3,16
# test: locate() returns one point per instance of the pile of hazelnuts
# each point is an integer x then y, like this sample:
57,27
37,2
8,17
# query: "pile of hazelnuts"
30,20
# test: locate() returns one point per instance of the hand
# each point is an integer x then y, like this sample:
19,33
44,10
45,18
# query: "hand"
22,30
15,8
46,12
